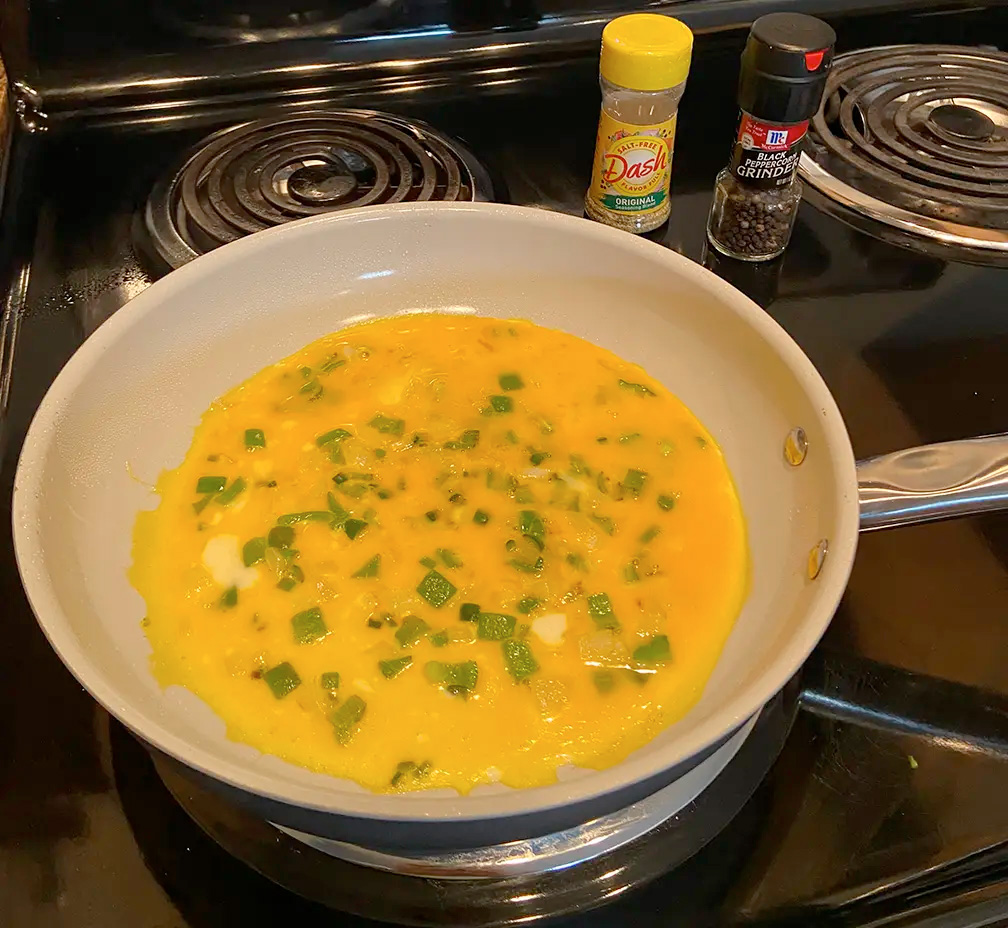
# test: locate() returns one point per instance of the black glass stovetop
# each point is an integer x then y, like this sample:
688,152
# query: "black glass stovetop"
888,802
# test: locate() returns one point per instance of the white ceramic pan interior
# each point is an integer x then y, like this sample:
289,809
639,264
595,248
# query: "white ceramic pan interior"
125,406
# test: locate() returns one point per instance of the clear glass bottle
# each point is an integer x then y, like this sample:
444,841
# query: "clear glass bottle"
784,71
642,73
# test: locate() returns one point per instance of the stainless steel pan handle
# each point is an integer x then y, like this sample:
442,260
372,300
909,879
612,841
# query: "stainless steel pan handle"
954,478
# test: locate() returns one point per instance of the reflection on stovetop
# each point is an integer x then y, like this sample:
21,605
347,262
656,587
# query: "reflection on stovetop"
854,822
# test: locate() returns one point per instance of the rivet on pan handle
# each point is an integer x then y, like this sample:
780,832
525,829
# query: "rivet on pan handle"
941,481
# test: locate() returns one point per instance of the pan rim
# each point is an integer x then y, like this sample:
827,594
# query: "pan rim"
417,807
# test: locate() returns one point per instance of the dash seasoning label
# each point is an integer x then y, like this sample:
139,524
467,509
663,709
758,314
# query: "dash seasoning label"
766,155
633,165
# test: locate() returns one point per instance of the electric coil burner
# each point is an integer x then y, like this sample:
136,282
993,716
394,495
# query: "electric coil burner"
916,138
263,173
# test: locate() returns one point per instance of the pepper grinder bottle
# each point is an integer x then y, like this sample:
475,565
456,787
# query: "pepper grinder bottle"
642,72
784,67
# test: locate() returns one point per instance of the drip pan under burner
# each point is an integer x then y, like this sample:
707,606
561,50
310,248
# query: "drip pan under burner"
264,173
915,137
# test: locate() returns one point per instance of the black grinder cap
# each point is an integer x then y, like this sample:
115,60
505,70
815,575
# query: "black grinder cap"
784,67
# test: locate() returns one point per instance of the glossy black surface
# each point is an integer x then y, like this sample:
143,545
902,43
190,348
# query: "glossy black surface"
856,823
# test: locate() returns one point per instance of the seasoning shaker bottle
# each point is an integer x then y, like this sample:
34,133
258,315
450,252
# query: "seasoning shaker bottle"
642,72
784,67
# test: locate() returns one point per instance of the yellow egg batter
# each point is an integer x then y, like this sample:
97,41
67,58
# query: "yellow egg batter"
442,550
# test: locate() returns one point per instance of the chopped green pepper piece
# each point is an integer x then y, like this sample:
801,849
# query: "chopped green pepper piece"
511,437
480,517
329,681
638,388
526,567
436,589
353,527
605,523
449,558
345,719
312,515
656,650
579,466
387,425
604,680
428,562
577,561
439,639
210,484
634,481
431,515
456,678
282,679
229,598
309,626
411,631
200,505
499,404
253,551
371,568
255,438
333,437
494,626
531,525
537,457
395,666
630,572
226,496
518,659
600,609
469,612
528,604
510,381
468,440
650,535
666,502
280,536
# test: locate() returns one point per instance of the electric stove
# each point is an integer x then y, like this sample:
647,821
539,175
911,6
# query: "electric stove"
872,790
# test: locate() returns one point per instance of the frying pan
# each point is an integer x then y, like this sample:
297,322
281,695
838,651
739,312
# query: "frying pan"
125,406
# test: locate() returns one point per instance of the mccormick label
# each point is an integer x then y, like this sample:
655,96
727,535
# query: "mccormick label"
766,155
632,165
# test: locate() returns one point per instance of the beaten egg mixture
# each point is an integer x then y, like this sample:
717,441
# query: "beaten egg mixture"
439,551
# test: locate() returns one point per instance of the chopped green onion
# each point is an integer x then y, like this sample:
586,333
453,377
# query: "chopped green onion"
255,438
253,551
200,505
353,527
353,490
468,440
637,388
630,572
340,515
312,515
604,680
526,567
511,437
499,404
650,535
602,439
656,650
494,626
379,453
600,609
576,561
605,523
387,425
282,679
456,678
431,515
330,364
329,681
528,604
537,457
666,502
436,589
480,517
280,536
428,562
629,437
469,612
579,466
333,437
510,381
411,631
395,666
345,719
449,558
371,568
634,481
226,496
210,484
701,441
518,659
229,598
439,639
309,626
531,525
